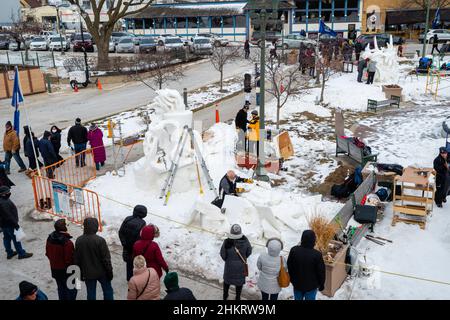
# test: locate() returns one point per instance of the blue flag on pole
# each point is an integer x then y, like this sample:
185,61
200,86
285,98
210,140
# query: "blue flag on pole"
437,19
324,29
17,98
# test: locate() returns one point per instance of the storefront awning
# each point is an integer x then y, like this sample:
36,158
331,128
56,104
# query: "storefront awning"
413,16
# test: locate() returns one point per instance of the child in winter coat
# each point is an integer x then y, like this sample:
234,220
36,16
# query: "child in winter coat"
29,291
150,250
144,285
269,265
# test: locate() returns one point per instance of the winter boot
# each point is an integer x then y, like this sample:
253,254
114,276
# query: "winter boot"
25,256
41,203
9,257
48,203
97,166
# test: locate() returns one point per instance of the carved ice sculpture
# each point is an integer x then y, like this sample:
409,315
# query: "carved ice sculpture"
387,62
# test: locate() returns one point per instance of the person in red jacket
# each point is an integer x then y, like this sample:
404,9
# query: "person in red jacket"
150,250
59,250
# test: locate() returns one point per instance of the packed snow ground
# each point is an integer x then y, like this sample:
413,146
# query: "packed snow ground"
408,136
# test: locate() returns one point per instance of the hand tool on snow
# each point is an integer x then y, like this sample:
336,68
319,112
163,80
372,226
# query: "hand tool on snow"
374,240
383,239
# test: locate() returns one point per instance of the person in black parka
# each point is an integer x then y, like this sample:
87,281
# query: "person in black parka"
241,122
440,164
174,292
56,140
4,180
48,153
234,250
306,268
129,233
28,148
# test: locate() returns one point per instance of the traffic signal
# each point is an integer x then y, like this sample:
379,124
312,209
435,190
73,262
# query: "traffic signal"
247,83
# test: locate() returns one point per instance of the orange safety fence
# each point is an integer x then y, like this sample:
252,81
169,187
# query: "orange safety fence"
76,170
65,200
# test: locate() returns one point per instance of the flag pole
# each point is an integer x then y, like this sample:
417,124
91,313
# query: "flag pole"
28,125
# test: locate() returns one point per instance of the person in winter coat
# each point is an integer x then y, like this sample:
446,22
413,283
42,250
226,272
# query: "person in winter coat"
28,148
253,133
435,44
78,134
306,268
56,140
358,49
235,251
362,64
94,259
269,265
150,250
174,292
59,251
95,138
145,284
247,49
4,180
371,69
47,152
440,164
11,147
129,233
29,291
241,122
311,61
9,222
227,186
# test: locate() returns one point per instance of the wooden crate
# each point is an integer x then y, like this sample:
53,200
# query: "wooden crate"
31,81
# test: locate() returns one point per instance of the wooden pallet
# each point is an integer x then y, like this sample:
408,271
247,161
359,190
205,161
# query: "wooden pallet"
397,218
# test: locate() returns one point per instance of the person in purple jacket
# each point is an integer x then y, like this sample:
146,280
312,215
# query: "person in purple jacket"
95,138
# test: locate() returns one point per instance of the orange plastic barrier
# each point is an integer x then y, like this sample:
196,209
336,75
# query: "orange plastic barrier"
66,200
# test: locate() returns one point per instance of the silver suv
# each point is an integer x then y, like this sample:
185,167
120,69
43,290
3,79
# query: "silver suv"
215,39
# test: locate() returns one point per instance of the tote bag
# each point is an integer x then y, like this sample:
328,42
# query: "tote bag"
283,276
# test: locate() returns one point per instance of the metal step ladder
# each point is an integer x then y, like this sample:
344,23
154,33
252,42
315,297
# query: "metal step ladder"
168,184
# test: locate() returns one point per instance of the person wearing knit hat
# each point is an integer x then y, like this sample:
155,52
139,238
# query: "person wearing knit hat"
9,223
78,135
59,250
95,138
11,147
440,165
174,292
29,291
235,251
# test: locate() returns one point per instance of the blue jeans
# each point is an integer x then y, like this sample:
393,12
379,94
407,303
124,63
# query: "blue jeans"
9,155
8,236
271,297
79,147
310,295
91,287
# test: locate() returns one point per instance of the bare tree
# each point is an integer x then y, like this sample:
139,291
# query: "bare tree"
423,3
284,81
21,29
101,31
221,56
325,67
163,69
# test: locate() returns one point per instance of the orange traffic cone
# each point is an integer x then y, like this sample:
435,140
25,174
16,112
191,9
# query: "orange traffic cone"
99,84
75,88
217,115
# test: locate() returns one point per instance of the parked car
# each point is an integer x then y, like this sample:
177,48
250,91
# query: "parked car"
202,45
111,45
214,38
116,36
79,44
294,41
39,43
443,35
47,34
148,44
55,43
126,45
171,43
14,45
270,37
4,41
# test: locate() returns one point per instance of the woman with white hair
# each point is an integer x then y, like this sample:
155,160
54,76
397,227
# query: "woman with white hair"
144,285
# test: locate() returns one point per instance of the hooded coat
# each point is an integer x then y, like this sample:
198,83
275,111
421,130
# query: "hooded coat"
150,250
8,214
305,265
59,251
233,272
241,120
56,140
144,285
4,180
269,265
11,142
92,253
253,127
47,151
95,138
130,230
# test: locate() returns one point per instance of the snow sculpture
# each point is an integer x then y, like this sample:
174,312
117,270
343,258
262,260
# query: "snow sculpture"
387,62
161,141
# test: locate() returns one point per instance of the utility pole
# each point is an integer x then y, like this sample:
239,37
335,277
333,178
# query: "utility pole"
83,46
427,21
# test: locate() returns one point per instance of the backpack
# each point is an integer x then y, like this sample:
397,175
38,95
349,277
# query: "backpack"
383,194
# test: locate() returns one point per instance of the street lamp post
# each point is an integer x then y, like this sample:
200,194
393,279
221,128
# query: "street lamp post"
58,22
427,21
282,38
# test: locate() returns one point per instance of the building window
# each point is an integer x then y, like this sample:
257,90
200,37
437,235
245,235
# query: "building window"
241,22
313,16
192,22
148,23
299,16
138,24
339,4
326,4
203,22
313,4
352,4
301,5
215,22
228,22
339,15
352,15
